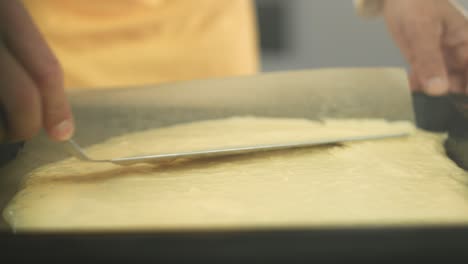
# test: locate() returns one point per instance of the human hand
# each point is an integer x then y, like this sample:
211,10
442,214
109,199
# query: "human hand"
433,37
31,79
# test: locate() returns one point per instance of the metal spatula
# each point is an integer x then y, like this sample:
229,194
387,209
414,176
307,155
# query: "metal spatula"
461,101
75,150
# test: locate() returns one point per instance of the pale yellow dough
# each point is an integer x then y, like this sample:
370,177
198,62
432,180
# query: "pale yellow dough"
394,181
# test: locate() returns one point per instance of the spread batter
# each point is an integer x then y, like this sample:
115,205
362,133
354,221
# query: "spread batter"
393,181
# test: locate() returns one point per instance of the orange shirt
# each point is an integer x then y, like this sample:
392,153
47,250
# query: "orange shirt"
105,43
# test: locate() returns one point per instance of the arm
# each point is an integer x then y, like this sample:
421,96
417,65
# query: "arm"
433,37
31,86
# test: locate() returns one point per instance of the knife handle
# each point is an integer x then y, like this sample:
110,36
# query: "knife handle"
8,150
439,113
461,103
432,113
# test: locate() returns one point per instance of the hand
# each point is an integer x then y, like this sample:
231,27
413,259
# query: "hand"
31,79
433,36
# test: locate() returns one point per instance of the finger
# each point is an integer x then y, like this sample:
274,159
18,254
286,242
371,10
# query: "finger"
20,98
28,46
458,56
425,55
457,82
457,71
414,82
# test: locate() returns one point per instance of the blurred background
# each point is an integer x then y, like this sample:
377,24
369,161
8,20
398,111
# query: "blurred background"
300,34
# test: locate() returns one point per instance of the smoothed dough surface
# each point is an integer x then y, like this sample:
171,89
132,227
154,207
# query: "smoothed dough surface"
393,181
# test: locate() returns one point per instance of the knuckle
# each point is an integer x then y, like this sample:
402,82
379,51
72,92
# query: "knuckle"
423,31
428,64
419,65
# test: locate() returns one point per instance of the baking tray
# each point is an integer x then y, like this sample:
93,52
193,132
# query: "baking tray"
312,94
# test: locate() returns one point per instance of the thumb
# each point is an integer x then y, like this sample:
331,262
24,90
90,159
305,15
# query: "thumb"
427,59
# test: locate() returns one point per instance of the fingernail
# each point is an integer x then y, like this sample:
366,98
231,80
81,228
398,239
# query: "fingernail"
63,131
437,86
